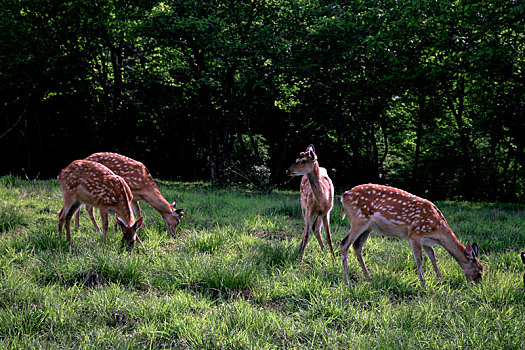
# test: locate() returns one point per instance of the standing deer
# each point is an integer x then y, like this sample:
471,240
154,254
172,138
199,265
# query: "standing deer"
95,185
317,197
396,213
142,186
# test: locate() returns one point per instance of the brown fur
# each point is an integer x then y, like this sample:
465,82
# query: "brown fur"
142,186
393,212
93,184
317,198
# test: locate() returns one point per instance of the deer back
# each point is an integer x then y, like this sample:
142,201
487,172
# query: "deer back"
401,214
394,207
94,184
133,172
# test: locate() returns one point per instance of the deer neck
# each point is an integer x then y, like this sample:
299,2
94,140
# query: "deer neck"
154,198
126,213
128,218
315,181
454,247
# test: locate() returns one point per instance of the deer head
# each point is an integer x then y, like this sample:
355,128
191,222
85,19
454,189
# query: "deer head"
305,163
173,218
473,268
129,234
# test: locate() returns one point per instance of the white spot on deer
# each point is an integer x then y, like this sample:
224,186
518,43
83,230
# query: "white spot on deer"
399,222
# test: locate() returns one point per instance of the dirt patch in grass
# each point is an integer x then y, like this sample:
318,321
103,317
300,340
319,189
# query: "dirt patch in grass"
118,318
91,278
242,294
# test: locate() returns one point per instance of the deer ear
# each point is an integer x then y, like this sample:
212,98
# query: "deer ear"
475,248
121,223
311,152
138,223
469,253
174,204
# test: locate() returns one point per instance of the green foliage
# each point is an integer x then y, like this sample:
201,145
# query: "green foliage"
231,279
10,217
425,94
250,162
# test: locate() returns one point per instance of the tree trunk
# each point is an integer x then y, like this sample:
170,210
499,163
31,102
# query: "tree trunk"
466,161
416,182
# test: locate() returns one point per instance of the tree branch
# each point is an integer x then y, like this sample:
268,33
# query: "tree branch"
15,124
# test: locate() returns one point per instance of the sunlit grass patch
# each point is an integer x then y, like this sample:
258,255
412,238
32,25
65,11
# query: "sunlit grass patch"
231,278
11,217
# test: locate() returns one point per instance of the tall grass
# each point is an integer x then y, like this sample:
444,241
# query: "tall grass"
231,279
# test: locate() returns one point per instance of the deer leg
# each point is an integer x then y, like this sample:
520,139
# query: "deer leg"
136,208
358,245
77,219
328,234
317,229
432,256
418,256
89,210
353,234
115,223
69,214
306,234
60,223
104,220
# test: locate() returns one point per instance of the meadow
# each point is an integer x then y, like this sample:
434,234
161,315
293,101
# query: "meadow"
231,279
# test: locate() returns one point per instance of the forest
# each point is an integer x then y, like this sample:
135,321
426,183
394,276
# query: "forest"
426,95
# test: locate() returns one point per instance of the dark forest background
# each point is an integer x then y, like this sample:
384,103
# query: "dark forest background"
425,95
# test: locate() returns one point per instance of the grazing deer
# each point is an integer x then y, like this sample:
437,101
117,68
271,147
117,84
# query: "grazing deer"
396,213
142,186
523,259
95,185
317,197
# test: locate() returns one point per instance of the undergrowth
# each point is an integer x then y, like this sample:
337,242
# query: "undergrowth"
231,278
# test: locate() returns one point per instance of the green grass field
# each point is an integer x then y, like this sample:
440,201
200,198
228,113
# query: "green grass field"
231,279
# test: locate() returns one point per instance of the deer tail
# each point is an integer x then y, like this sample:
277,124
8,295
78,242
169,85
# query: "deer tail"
343,212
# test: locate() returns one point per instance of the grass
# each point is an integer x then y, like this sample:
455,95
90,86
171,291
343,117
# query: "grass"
231,279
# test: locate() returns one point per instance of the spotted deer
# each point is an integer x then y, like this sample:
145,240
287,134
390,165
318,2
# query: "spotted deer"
392,212
317,197
93,184
142,186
